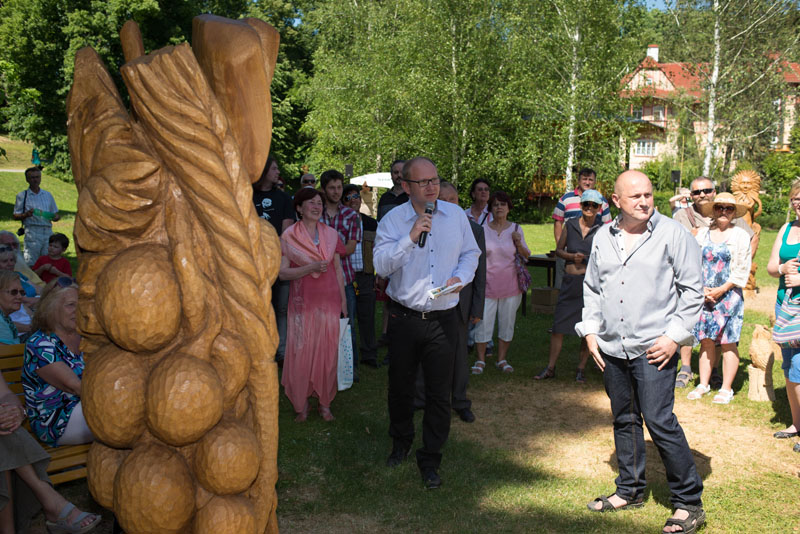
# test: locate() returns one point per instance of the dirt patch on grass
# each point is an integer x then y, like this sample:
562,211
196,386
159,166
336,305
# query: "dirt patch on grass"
566,429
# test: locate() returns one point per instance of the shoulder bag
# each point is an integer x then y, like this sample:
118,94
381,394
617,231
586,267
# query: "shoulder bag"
521,263
786,331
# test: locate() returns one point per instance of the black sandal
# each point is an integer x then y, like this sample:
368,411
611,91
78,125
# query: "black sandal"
547,373
689,525
608,507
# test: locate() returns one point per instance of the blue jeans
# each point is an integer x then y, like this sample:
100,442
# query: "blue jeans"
350,295
639,391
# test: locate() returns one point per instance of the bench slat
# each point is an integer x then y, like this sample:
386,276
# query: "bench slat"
12,350
66,476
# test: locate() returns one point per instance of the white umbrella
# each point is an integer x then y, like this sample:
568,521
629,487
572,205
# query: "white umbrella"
377,179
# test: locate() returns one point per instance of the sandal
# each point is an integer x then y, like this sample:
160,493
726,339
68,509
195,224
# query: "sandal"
698,392
723,397
683,379
61,526
689,525
478,367
580,377
547,373
504,366
608,507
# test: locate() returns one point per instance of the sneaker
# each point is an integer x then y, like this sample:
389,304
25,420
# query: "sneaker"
580,377
723,397
698,392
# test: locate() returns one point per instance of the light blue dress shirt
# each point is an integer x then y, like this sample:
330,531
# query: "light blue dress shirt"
631,298
450,250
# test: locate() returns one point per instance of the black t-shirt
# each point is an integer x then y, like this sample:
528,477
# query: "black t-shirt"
275,206
389,200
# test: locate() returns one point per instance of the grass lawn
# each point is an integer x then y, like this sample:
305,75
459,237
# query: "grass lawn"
536,454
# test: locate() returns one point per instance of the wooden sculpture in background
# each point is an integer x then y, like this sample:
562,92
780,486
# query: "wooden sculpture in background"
762,353
180,386
745,186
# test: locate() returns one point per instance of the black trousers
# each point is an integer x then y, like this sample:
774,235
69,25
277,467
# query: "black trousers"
429,343
461,372
365,311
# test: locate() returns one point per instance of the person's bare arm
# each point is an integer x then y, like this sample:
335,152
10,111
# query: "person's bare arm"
55,271
293,273
350,247
59,375
558,226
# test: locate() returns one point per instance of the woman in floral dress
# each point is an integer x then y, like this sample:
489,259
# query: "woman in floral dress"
726,266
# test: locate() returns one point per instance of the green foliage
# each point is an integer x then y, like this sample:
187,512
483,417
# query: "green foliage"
660,171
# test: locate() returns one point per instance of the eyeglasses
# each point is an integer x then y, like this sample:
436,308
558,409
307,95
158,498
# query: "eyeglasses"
307,182
795,201
726,209
352,196
5,248
65,281
15,292
426,183
593,205
481,189
707,191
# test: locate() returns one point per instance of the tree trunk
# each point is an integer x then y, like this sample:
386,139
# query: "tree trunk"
712,95
573,89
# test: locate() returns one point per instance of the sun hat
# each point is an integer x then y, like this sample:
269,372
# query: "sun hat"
723,199
592,195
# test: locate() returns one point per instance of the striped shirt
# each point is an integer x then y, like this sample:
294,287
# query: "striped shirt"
569,206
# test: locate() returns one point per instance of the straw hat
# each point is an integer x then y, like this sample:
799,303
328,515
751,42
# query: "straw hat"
723,199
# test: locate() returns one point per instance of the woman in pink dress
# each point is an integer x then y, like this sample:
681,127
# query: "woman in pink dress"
310,259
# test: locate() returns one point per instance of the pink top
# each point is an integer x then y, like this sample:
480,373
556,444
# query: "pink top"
501,273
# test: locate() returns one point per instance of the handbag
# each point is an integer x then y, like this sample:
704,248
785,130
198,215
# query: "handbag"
344,366
786,331
523,276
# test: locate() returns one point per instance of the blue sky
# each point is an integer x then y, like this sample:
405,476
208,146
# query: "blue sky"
655,3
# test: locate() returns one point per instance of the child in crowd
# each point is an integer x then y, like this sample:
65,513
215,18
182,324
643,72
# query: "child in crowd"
54,264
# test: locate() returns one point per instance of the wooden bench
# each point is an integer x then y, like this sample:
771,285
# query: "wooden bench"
68,462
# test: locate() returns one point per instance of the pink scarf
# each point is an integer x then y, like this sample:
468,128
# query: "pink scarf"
299,246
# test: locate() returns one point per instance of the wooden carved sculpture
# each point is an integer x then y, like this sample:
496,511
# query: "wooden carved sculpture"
762,353
180,387
745,186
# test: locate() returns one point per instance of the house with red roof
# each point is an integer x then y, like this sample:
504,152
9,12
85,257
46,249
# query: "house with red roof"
661,89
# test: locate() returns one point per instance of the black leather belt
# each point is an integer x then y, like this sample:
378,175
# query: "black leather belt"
425,315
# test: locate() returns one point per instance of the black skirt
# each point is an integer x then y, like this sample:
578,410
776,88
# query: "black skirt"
569,305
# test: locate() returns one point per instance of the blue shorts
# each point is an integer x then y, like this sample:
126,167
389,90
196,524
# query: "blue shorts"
791,360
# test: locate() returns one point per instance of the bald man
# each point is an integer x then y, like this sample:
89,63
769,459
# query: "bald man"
642,296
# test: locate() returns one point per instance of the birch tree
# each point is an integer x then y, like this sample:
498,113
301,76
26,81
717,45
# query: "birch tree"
738,56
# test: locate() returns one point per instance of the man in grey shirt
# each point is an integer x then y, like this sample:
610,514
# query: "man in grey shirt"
643,293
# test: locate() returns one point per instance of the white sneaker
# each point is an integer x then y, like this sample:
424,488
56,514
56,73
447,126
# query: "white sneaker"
698,392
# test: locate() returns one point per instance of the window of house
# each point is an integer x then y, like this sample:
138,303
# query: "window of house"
658,113
637,112
644,147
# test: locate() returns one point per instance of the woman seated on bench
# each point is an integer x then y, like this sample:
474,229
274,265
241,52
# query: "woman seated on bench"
21,456
51,373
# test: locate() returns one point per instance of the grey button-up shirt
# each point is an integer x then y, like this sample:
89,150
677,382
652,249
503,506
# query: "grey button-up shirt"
631,298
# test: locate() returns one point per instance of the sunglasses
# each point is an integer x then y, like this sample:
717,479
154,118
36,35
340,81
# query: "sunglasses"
593,205
15,292
308,182
726,209
707,191
352,196
65,281
5,248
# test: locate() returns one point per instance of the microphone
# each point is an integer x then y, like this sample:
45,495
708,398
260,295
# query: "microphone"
424,235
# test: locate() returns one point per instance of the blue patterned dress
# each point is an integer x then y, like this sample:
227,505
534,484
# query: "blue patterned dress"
721,322
49,408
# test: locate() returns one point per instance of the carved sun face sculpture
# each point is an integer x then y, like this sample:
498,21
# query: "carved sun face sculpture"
180,387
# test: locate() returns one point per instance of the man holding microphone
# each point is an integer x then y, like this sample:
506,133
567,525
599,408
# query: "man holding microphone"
421,245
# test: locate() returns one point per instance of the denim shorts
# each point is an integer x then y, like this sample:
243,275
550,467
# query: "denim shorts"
791,360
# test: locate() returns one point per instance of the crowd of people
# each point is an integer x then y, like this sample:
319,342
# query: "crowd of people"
338,261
